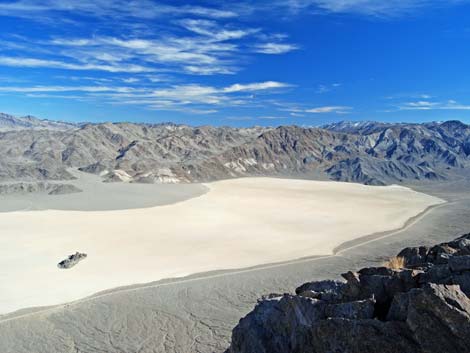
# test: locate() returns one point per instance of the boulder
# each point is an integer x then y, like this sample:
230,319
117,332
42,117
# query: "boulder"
326,290
414,257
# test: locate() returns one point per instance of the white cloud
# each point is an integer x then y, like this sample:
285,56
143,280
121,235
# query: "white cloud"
328,109
255,86
275,48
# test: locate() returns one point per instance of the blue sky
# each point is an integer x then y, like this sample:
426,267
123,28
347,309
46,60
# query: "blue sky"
240,63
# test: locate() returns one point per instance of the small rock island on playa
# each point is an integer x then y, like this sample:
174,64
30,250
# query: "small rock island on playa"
71,260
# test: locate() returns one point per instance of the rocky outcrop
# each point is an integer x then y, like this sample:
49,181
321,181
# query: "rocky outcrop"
423,307
71,260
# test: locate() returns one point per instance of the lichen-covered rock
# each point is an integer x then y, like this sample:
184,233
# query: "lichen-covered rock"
424,308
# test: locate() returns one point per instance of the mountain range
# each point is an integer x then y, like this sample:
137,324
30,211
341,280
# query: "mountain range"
366,152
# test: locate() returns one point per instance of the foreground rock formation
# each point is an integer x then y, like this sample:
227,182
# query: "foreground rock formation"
71,260
422,307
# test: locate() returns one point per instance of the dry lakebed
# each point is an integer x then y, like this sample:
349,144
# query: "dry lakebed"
221,225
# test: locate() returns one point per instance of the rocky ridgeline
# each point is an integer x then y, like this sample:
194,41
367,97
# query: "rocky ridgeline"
423,307
71,260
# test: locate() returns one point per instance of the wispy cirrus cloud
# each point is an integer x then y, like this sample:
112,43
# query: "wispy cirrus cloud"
213,31
327,109
338,109
119,54
193,98
433,105
179,54
150,9
62,89
55,64
250,87
325,88
189,46
275,48
376,8
142,9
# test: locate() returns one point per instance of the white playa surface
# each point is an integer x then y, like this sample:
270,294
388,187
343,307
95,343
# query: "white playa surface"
238,223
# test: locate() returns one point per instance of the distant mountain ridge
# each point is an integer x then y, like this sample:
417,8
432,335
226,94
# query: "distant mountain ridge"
365,152
11,123
357,127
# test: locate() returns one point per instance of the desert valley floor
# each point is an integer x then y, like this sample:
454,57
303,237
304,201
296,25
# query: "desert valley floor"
222,225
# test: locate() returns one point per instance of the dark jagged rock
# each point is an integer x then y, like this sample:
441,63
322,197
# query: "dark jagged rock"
71,260
423,308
